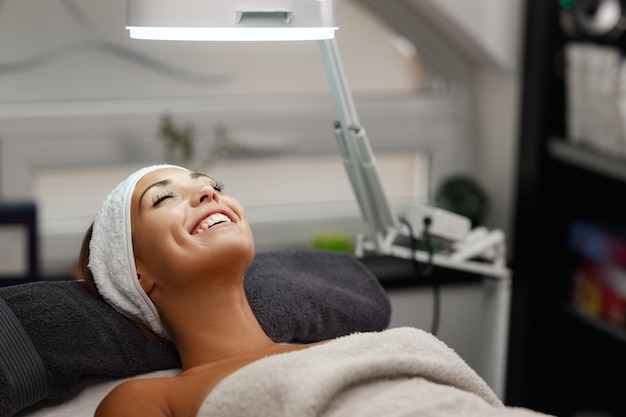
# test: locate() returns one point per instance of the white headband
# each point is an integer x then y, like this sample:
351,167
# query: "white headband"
111,257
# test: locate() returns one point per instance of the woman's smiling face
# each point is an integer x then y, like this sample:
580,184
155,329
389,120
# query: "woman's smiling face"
182,224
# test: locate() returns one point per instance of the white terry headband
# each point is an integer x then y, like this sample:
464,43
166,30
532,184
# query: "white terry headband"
111,256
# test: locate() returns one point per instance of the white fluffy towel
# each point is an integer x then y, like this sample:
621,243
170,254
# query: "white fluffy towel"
111,257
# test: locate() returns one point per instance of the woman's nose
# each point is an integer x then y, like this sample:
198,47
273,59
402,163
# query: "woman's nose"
204,195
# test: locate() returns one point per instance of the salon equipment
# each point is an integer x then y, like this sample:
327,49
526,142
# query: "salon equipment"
480,251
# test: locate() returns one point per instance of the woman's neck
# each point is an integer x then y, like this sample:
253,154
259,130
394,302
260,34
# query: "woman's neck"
210,326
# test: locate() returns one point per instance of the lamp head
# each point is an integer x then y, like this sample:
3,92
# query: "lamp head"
231,20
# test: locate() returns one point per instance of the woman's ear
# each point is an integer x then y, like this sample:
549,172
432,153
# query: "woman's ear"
145,280
146,283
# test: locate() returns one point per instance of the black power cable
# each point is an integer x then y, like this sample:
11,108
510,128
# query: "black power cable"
425,270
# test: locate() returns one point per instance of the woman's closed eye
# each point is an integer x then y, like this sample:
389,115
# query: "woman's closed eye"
159,198
164,195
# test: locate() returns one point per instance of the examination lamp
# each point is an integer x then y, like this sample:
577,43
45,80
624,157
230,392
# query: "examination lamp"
478,251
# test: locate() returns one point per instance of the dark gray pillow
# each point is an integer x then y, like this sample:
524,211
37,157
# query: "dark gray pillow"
53,334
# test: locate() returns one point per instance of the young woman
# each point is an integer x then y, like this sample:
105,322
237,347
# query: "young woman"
169,250
191,246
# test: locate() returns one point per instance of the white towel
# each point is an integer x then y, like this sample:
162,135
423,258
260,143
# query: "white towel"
112,260
397,372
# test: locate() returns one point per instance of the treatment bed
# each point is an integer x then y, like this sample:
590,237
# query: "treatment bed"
63,351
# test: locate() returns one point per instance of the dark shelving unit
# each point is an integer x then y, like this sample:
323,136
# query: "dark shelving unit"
561,361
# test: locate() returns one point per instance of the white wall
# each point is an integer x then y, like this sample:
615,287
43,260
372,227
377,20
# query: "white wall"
498,113
489,29
491,33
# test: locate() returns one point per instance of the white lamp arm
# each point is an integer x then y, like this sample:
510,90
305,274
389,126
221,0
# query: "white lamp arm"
357,155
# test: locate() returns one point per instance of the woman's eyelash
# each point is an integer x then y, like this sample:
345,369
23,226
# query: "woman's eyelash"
162,196
218,186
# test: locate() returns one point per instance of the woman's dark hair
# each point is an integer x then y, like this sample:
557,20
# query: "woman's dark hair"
83,274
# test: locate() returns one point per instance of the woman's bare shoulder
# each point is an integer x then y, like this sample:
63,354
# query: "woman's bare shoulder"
137,397
178,396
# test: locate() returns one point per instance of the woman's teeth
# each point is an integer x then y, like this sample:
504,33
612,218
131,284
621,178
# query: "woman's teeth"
212,220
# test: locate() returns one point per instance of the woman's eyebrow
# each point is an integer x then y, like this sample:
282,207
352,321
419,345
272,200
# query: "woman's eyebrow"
161,183
196,175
